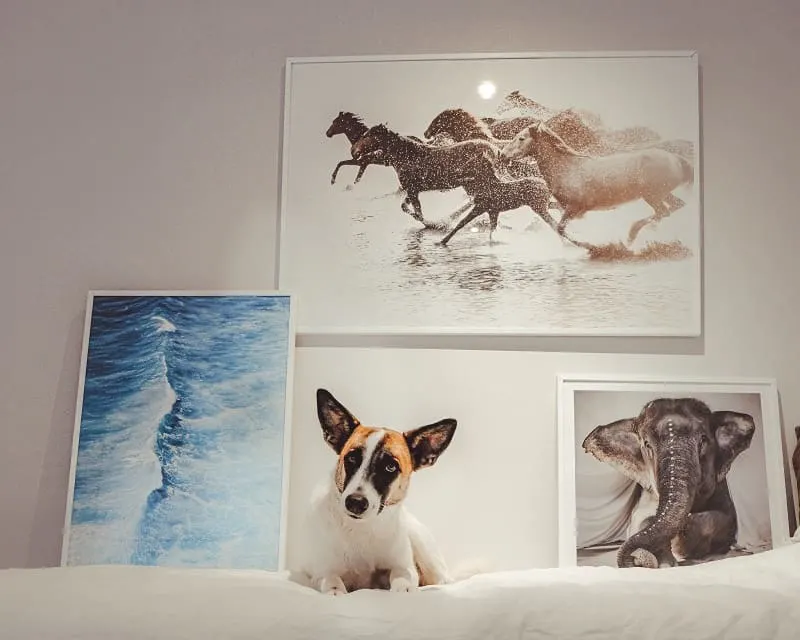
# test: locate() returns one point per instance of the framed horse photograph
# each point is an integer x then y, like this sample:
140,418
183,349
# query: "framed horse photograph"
493,194
664,472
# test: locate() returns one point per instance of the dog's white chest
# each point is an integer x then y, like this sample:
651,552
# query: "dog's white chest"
371,544
356,550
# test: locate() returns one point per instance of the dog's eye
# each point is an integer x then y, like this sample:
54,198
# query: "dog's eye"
391,467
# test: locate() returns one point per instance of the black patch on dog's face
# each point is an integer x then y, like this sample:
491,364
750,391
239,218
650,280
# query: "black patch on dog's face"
382,472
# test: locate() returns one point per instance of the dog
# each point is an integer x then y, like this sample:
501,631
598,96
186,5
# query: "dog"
363,537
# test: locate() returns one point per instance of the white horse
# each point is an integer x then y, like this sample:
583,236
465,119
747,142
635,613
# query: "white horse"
583,183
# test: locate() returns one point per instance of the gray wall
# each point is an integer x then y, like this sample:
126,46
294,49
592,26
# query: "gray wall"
139,149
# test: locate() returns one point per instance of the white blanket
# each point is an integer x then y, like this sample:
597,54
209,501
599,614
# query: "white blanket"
748,598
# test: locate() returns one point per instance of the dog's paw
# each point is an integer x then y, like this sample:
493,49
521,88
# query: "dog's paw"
333,587
402,585
335,590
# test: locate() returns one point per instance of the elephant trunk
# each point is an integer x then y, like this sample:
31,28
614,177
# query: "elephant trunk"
677,478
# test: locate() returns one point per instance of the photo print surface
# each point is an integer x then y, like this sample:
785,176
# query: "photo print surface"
481,195
671,475
179,453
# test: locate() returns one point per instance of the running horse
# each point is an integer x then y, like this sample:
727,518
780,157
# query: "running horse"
499,196
583,182
425,167
353,128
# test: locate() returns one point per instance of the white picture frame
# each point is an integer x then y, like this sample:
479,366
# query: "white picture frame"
593,494
364,267
260,385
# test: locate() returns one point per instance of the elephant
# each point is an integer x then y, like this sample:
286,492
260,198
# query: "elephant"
679,452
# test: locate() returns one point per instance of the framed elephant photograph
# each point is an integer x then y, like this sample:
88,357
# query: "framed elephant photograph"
662,472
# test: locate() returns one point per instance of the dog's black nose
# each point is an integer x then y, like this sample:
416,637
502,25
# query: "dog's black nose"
356,504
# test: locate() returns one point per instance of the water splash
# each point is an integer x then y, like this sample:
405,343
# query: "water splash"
164,325
652,252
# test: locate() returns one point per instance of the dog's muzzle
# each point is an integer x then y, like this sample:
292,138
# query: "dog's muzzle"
356,505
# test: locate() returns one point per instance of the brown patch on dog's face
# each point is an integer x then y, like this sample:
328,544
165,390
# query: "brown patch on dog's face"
394,444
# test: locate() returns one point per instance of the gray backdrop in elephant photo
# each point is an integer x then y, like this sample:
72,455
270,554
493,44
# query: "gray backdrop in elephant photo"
667,473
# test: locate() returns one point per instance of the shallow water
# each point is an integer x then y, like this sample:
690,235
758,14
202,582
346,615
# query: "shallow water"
180,454
383,270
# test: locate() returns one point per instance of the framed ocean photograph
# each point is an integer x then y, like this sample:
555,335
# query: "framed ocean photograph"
659,472
548,193
182,430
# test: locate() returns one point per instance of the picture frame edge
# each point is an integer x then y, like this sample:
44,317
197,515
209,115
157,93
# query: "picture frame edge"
288,431
90,297
767,389
694,328
66,531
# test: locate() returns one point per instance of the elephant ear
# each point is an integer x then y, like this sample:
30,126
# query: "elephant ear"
733,432
617,444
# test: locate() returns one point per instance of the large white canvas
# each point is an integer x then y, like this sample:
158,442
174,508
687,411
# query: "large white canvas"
362,265
594,495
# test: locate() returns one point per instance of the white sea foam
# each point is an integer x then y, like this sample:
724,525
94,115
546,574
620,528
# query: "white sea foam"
122,470
222,452
164,325
227,510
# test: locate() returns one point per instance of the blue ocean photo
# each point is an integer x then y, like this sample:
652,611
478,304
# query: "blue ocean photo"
180,455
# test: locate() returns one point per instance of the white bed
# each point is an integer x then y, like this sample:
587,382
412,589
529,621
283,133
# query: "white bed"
748,598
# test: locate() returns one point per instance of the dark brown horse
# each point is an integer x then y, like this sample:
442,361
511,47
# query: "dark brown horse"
424,167
460,125
353,128
499,196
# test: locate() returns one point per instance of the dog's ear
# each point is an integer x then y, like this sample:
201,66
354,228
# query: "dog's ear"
337,422
427,443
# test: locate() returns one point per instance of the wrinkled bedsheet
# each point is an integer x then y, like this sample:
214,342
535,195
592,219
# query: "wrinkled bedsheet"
748,598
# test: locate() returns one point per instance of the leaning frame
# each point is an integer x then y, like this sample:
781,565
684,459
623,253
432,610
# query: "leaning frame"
287,395
670,386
